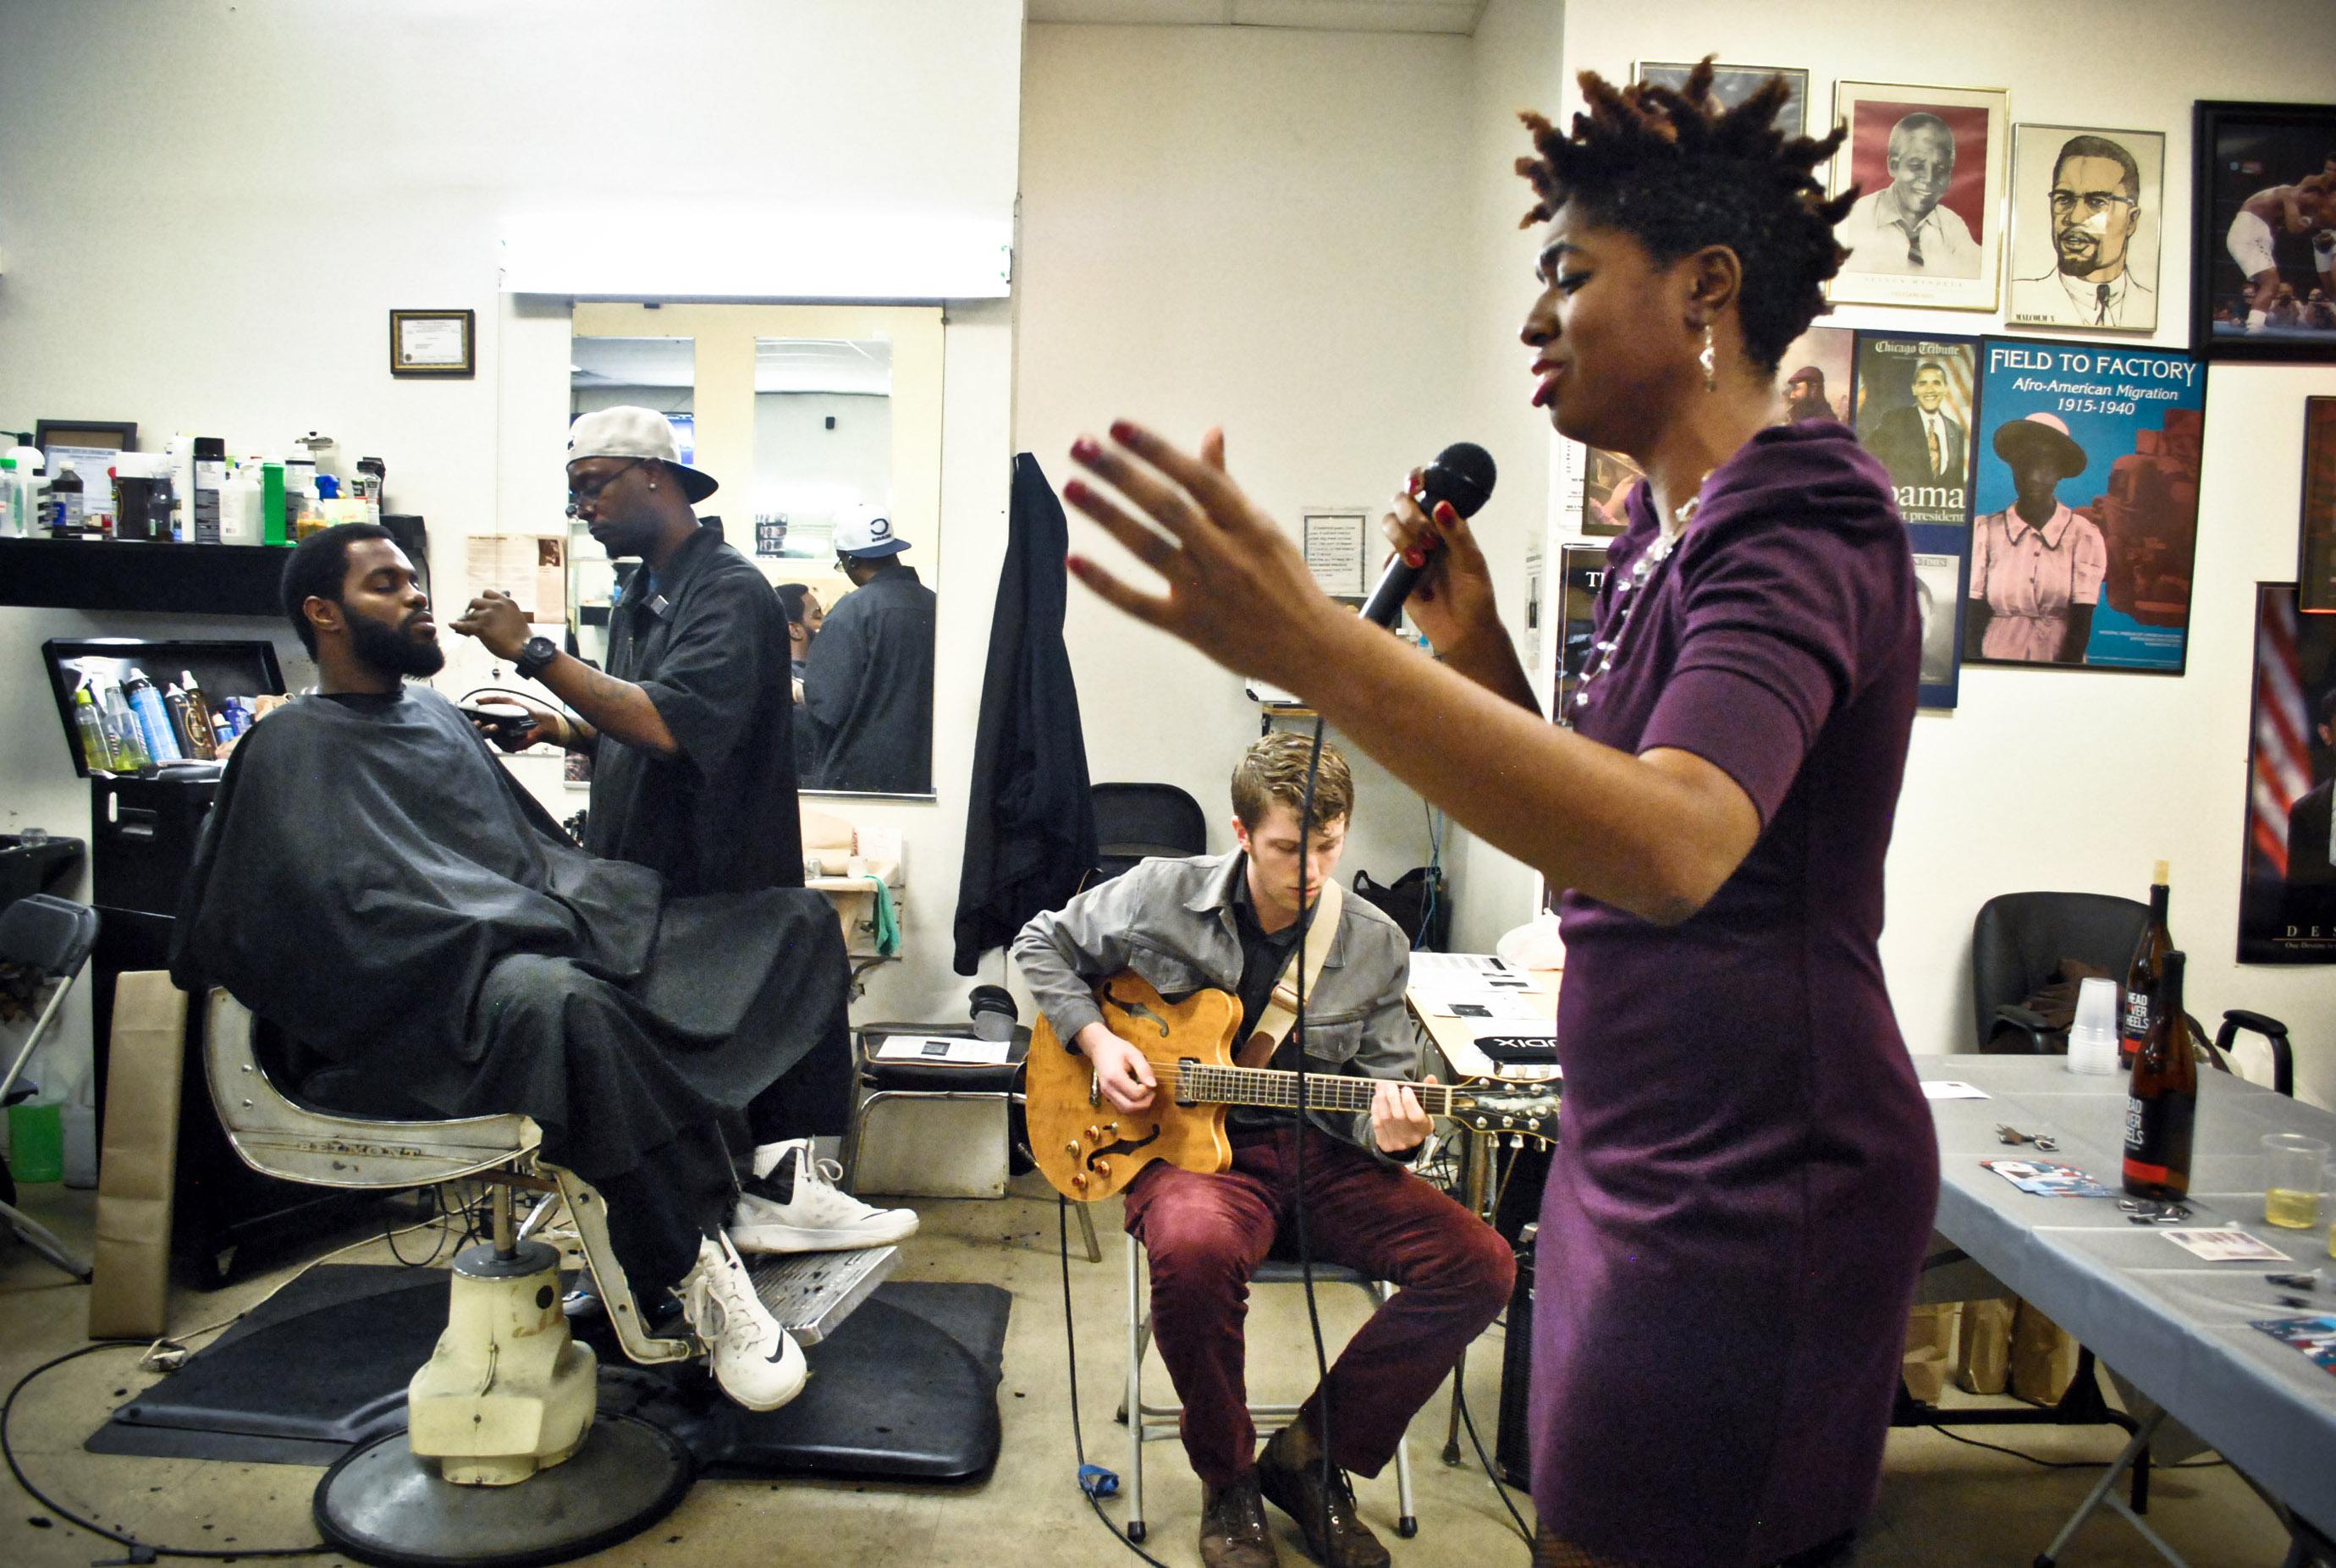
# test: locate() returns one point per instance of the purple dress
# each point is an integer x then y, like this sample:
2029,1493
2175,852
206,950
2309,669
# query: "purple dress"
1739,1206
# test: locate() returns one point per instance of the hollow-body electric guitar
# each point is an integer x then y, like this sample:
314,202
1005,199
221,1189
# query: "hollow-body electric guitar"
1090,1149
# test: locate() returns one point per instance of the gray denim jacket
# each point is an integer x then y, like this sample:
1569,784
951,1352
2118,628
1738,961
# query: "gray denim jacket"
1171,921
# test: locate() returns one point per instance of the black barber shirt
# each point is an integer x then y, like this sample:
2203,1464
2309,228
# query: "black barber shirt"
707,640
869,687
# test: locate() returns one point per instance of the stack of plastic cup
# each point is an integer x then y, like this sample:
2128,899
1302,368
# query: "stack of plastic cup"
2092,1039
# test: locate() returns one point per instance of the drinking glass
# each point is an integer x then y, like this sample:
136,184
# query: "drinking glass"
2292,1180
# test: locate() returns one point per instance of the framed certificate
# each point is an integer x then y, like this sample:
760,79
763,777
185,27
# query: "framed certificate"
432,343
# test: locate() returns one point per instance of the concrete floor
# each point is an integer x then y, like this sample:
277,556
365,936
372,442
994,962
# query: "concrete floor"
1943,1504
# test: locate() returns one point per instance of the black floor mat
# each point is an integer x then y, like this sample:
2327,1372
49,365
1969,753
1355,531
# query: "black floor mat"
906,1389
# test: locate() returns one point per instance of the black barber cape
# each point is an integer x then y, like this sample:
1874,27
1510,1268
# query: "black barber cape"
1029,821
372,881
708,642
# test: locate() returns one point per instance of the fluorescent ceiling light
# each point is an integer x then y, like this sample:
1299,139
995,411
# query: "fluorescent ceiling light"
696,253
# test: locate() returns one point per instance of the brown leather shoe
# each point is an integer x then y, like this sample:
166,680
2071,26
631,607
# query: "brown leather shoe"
1233,1533
1290,1474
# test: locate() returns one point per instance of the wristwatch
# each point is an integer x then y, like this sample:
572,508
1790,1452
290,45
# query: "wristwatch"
535,657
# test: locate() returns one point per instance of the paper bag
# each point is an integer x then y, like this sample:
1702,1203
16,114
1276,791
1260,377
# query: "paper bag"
1984,1364
2043,1356
129,1299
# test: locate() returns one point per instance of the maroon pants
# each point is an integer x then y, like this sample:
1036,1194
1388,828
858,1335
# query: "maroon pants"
1206,1234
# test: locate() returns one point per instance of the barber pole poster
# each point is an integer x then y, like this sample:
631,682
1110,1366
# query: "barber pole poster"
2287,894
2085,508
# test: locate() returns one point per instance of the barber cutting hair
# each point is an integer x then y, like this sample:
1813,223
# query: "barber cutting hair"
690,733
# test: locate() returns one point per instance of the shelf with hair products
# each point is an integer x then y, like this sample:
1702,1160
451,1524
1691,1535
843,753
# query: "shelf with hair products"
122,576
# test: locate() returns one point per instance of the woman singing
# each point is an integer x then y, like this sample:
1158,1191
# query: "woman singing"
1736,1213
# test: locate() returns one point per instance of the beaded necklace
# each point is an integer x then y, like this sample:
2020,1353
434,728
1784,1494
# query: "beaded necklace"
1631,590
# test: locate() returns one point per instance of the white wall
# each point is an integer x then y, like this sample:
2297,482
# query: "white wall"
800,462
207,209
1244,227
2045,778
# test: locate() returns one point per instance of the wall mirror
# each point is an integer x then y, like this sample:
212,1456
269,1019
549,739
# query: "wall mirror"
817,421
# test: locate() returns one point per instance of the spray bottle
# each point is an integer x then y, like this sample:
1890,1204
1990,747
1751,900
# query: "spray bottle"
96,748
153,719
129,745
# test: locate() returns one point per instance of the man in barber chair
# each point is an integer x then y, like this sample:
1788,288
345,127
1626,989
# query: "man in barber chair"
1231,921
373,883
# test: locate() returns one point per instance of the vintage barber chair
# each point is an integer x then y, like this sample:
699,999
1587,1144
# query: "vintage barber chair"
508,1399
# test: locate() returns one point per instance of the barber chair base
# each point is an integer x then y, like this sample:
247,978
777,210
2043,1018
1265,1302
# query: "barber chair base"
381,1505
507,1392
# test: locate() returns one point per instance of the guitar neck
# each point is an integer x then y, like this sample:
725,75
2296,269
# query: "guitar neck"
1272,1086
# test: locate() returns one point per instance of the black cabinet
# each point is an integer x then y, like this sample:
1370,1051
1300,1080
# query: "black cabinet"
142,835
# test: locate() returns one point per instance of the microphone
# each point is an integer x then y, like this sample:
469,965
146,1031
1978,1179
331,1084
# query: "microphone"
1461,474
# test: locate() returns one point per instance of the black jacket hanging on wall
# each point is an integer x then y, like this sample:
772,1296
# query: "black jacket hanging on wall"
1030,826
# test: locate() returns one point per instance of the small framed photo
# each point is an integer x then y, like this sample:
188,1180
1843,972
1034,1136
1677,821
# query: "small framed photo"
93,446
1732,84
2263,249
2086,219
2315,571
432,343
107,434
1928,165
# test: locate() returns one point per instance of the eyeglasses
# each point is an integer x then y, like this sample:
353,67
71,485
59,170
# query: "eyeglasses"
2093,201
586,490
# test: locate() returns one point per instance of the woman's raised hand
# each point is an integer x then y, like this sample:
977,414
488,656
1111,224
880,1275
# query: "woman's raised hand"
1237,588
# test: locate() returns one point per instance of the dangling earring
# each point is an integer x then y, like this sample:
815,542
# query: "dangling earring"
1709,360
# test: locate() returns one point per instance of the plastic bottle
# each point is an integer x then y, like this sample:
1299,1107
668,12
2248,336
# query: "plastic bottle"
210,486
12,513
201,725
63,514
96,747
240,508
153,719
181,453
174,706
372,475
275,522
128,744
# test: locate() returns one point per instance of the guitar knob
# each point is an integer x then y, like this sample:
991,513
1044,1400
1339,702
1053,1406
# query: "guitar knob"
1094,1133
1080,1181
1102,1169
1072,1148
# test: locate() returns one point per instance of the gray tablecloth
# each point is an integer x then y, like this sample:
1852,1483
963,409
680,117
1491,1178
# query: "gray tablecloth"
2173,1325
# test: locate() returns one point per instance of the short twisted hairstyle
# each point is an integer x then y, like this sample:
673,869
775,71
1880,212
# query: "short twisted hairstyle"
1677,171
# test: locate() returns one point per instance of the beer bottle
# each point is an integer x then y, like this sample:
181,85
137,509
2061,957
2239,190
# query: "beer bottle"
2161,1109
2139,996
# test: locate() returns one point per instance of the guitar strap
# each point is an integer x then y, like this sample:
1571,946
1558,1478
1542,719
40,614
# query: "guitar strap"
1280,1014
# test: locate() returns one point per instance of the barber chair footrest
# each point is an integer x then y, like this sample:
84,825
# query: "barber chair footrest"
811,1293
381,1505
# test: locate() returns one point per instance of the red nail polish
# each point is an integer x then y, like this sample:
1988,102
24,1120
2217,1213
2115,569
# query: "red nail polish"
1443,512
1415,557
1121,431
1084,447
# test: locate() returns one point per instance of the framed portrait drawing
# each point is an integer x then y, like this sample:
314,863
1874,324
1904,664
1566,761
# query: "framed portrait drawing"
1732,84
2287,890
2084,531
1928,165
2086,209
2262,248
2315,569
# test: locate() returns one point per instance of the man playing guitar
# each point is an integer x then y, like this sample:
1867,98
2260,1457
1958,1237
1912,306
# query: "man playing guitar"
1231,922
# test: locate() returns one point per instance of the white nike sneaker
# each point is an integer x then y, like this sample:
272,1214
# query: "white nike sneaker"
817,1217
756,1362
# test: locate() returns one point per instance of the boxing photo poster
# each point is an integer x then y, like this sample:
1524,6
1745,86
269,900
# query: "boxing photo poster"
1928,165
2084,505
2262,260
1732,84
2085,208
1913,410
2287,892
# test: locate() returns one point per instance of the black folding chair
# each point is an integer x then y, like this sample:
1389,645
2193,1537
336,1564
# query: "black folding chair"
50,938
